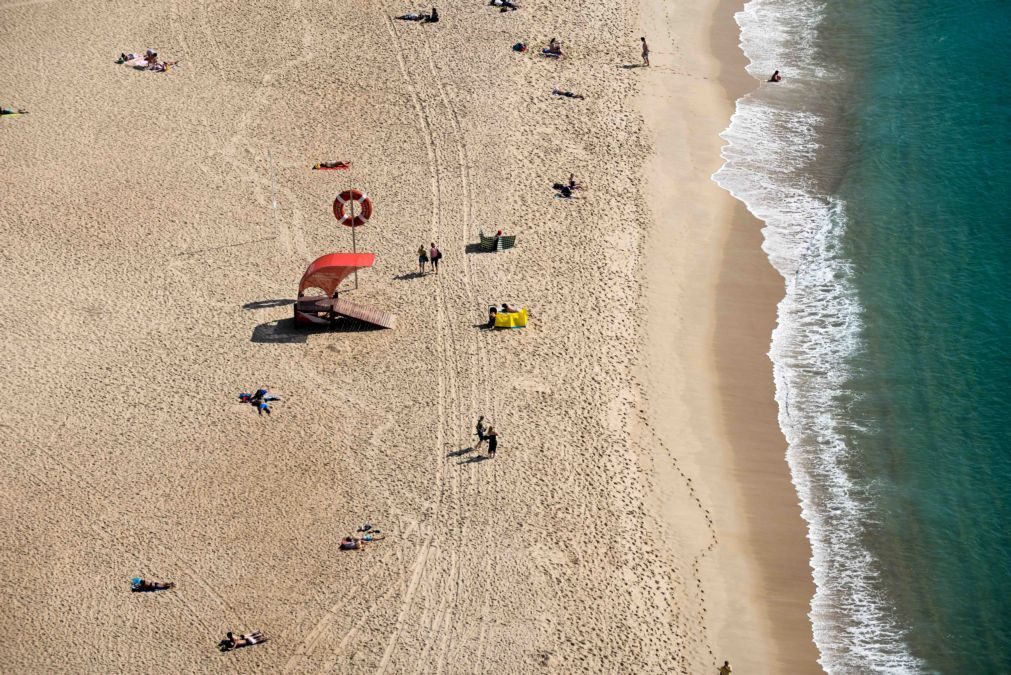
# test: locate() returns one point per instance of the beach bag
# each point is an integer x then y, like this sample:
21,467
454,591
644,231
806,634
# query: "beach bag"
519,47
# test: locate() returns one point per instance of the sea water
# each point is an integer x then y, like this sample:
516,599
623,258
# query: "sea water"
881,167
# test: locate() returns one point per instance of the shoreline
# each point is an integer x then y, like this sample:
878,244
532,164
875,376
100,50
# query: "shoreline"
748,294
759,573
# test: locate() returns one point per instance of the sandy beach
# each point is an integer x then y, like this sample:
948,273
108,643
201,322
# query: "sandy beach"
638,516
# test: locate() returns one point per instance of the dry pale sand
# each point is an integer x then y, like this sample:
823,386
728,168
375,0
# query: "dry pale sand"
153,228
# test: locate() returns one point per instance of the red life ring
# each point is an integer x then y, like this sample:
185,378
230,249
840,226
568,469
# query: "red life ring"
352,196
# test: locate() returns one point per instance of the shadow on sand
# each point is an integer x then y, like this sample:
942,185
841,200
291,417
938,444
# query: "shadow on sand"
475,248
475,459
267,304
284,331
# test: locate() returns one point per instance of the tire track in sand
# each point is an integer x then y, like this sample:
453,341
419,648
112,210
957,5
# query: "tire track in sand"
449,398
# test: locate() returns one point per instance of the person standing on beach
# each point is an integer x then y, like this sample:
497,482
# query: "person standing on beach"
725,669
422,259
645,52
434,255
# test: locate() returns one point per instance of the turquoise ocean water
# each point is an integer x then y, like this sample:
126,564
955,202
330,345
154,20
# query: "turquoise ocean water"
881,166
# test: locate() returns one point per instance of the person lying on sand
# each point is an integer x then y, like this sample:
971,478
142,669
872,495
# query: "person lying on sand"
140,585
249,639
553,49
13,111
262,394
350,543
567,94
149,61
161,66
421,16
506,5
331,165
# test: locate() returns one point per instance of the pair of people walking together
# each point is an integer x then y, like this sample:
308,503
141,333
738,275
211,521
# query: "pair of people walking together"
486,433
432,256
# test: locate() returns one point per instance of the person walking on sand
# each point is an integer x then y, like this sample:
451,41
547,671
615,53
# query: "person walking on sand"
434,255
481,438
492,438
645,52
422,259
725,669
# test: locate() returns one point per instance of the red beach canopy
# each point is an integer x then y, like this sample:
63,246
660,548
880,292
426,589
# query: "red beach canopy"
328,271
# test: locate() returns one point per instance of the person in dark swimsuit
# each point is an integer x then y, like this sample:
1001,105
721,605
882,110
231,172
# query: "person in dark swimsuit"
776,77
492,441
481,438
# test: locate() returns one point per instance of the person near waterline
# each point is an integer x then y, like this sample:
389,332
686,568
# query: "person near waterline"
776,77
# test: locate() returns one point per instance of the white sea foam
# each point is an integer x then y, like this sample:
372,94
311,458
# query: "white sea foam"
772,143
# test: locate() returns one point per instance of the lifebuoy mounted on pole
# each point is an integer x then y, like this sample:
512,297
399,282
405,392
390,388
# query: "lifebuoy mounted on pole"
346,218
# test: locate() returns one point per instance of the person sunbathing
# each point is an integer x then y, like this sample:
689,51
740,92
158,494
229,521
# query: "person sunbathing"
332,165
140,585
504,4
352,544
12,111
249,639
161,66
507,308
554,48
421,16
567,94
